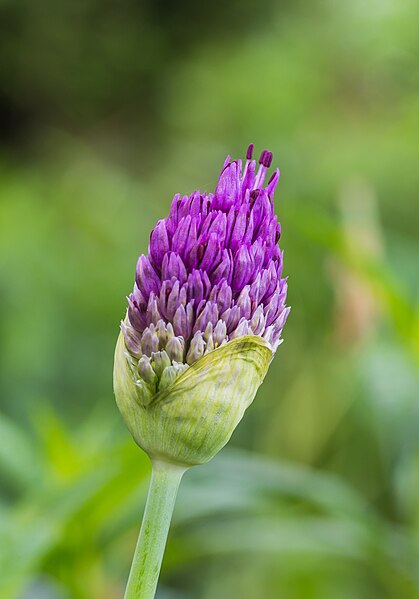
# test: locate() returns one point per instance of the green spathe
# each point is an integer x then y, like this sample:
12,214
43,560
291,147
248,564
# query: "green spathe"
193,418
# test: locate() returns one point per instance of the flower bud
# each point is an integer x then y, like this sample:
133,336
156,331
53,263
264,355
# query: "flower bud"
192,418
205,317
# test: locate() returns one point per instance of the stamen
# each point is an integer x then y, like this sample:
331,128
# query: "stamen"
249,152
268,159
265,161
249,155
262,156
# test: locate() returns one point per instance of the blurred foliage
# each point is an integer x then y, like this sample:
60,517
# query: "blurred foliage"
106,111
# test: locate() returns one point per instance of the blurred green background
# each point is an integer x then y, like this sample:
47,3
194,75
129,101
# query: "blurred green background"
106,110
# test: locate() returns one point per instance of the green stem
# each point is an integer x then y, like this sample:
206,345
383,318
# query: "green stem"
148,556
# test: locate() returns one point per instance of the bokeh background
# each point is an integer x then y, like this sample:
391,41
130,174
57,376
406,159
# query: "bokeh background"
106,110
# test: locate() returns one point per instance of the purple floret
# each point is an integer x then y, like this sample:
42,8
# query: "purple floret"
212,273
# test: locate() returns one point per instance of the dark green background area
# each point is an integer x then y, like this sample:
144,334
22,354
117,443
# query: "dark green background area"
106,111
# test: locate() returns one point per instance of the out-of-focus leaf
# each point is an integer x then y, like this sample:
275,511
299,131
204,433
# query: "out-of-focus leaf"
20,462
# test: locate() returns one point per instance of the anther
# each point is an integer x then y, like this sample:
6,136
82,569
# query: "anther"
262,156
268,159
249,152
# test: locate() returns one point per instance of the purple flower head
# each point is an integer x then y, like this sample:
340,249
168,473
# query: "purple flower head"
213,273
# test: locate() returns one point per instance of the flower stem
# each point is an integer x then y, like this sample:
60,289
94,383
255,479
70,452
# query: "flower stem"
148,556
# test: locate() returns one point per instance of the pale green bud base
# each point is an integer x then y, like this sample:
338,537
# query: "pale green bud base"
148,556
193,418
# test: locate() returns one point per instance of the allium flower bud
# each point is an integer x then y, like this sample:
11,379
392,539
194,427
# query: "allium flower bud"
205,316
